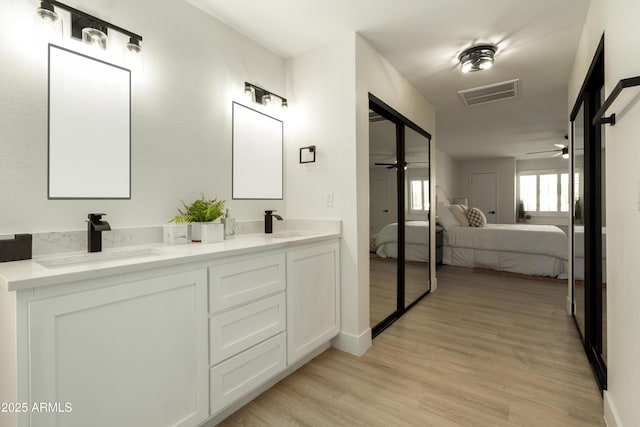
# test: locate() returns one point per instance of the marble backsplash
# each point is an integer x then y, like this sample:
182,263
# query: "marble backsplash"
57,242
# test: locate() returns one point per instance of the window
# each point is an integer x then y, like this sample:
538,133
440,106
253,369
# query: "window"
546,191
419,195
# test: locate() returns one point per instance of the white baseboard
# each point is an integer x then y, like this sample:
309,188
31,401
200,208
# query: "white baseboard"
353,344
569,306
611,417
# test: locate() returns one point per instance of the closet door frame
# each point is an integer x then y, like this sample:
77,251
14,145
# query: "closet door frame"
590,98
401,122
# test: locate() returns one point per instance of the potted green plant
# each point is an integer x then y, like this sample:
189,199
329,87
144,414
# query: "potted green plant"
577,212
521,212
200,214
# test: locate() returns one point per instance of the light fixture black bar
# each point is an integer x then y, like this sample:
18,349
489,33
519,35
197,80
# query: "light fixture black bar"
263,92
598,119
93,18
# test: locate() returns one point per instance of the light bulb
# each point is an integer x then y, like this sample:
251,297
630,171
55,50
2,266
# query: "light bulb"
48,25
134,46
94,37
486,63
466,67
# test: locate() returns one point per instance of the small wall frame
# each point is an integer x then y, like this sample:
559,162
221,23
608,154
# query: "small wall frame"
308,154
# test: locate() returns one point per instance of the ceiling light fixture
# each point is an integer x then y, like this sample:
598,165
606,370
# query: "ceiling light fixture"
477,58
86,27
262,96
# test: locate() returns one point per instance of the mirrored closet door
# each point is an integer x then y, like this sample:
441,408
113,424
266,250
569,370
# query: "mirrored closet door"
399,197
416,218
588,228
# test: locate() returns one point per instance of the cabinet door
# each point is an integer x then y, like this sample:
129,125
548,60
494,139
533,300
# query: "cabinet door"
313,298
134,354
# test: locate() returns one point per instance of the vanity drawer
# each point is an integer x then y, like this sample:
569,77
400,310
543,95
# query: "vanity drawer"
241,374
240,282
235,331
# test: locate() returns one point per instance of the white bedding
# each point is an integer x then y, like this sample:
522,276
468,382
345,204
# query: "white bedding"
519,248
416,238
520,238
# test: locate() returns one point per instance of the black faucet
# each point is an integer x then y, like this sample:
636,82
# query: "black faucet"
96,227
268,221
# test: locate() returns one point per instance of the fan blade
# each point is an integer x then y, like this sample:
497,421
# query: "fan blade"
557,154
547,151
560,146
384,164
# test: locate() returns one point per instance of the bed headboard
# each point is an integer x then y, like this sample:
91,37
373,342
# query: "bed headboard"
441,196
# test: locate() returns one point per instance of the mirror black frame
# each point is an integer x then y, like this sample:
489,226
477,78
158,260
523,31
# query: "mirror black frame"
102,126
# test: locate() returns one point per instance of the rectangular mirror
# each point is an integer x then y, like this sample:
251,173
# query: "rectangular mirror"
257,155
89,127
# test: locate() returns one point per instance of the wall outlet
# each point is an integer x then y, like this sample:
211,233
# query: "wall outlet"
328,199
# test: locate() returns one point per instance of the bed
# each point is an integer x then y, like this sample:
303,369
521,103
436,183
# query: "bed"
539,250
416,241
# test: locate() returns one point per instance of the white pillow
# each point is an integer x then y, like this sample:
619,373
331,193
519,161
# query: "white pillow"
446,218
460,212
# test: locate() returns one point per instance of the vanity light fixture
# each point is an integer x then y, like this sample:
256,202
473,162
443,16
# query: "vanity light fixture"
88,28
262,96
477,58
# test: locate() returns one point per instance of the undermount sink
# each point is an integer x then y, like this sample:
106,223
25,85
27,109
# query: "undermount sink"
88,258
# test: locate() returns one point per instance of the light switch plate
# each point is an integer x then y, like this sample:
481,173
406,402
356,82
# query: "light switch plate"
328,199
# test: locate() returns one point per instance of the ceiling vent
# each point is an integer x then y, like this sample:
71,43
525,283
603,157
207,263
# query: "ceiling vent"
490,93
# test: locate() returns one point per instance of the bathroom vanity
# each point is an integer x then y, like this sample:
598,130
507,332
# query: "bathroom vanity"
167,335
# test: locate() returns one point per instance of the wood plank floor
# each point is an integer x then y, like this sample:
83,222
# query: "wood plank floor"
483,350
383,288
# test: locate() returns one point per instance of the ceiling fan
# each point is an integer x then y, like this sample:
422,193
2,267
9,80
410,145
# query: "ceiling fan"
395,165
562,150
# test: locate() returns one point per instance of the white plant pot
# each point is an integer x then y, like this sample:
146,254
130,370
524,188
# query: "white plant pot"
196,231
175,234
211,232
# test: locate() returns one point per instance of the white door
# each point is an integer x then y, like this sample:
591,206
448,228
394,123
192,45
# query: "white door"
483,194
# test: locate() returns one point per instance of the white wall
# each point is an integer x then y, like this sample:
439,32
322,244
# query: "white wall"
447,173
329,89
506,170
321,84
617,19
194,67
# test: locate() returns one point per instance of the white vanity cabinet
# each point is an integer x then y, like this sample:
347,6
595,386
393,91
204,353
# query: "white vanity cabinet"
313,298
130,354
176,341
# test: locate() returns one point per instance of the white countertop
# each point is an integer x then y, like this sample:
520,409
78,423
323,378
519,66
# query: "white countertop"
27,274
